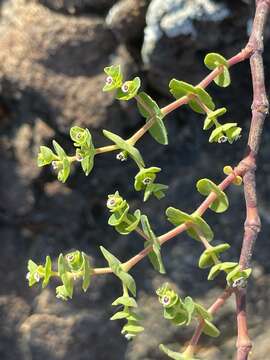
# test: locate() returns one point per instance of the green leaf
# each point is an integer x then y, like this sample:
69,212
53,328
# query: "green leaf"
129,89
202,312
172,354
216,134
87,272
117,269
33,275
126,301
204,97
80,136
210,329
59,150
68,284
120,315
213,60
212,117
180,89
61,293
215,270
145,177
61,265
148,108
74,260
156,189
47,272
45,156
132,328
206,259
114,79
155,255
205,187
178,217
129,224
118,216
189,307
175,355
126,146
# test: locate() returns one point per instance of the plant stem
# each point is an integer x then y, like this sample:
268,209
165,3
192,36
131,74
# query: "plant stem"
220,301
252,222
241,56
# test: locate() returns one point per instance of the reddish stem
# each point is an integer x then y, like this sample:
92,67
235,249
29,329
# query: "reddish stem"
252,223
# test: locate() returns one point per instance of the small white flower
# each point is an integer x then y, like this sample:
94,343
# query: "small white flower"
28,276
69,257
147,181
55,165
36,276
241,282
222,139
110,202
125,88
165,300
121,156
109,80
60,296
129,336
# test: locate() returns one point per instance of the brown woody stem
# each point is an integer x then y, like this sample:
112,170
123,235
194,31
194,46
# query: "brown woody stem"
252,223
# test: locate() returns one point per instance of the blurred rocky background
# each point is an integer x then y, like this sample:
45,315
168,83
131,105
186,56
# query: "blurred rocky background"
52,55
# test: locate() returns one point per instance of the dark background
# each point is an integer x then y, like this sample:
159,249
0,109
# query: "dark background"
52,55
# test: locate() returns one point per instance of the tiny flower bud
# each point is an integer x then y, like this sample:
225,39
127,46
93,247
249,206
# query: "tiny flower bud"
110,203
69,257
125,88
147,181
36,277
165,300
109,80
79,157
241,282
121,156
222,139
55,165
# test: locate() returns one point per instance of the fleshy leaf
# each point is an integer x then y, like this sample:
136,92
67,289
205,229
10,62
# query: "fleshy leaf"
129,89
47,271
156,189
210,329
129,224
202,312
212,117
214,60
117,269
114,79
205,187
189,307
175,355
149,108
126,146
126,301
155,255
86,272
45,156
178,217
181,88
206,259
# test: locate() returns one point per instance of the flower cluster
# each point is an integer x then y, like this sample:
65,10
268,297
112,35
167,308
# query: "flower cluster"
144,180
123,221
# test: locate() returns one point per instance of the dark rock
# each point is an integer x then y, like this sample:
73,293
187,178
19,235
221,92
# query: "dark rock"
78,6
60,79
13,311
127,19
